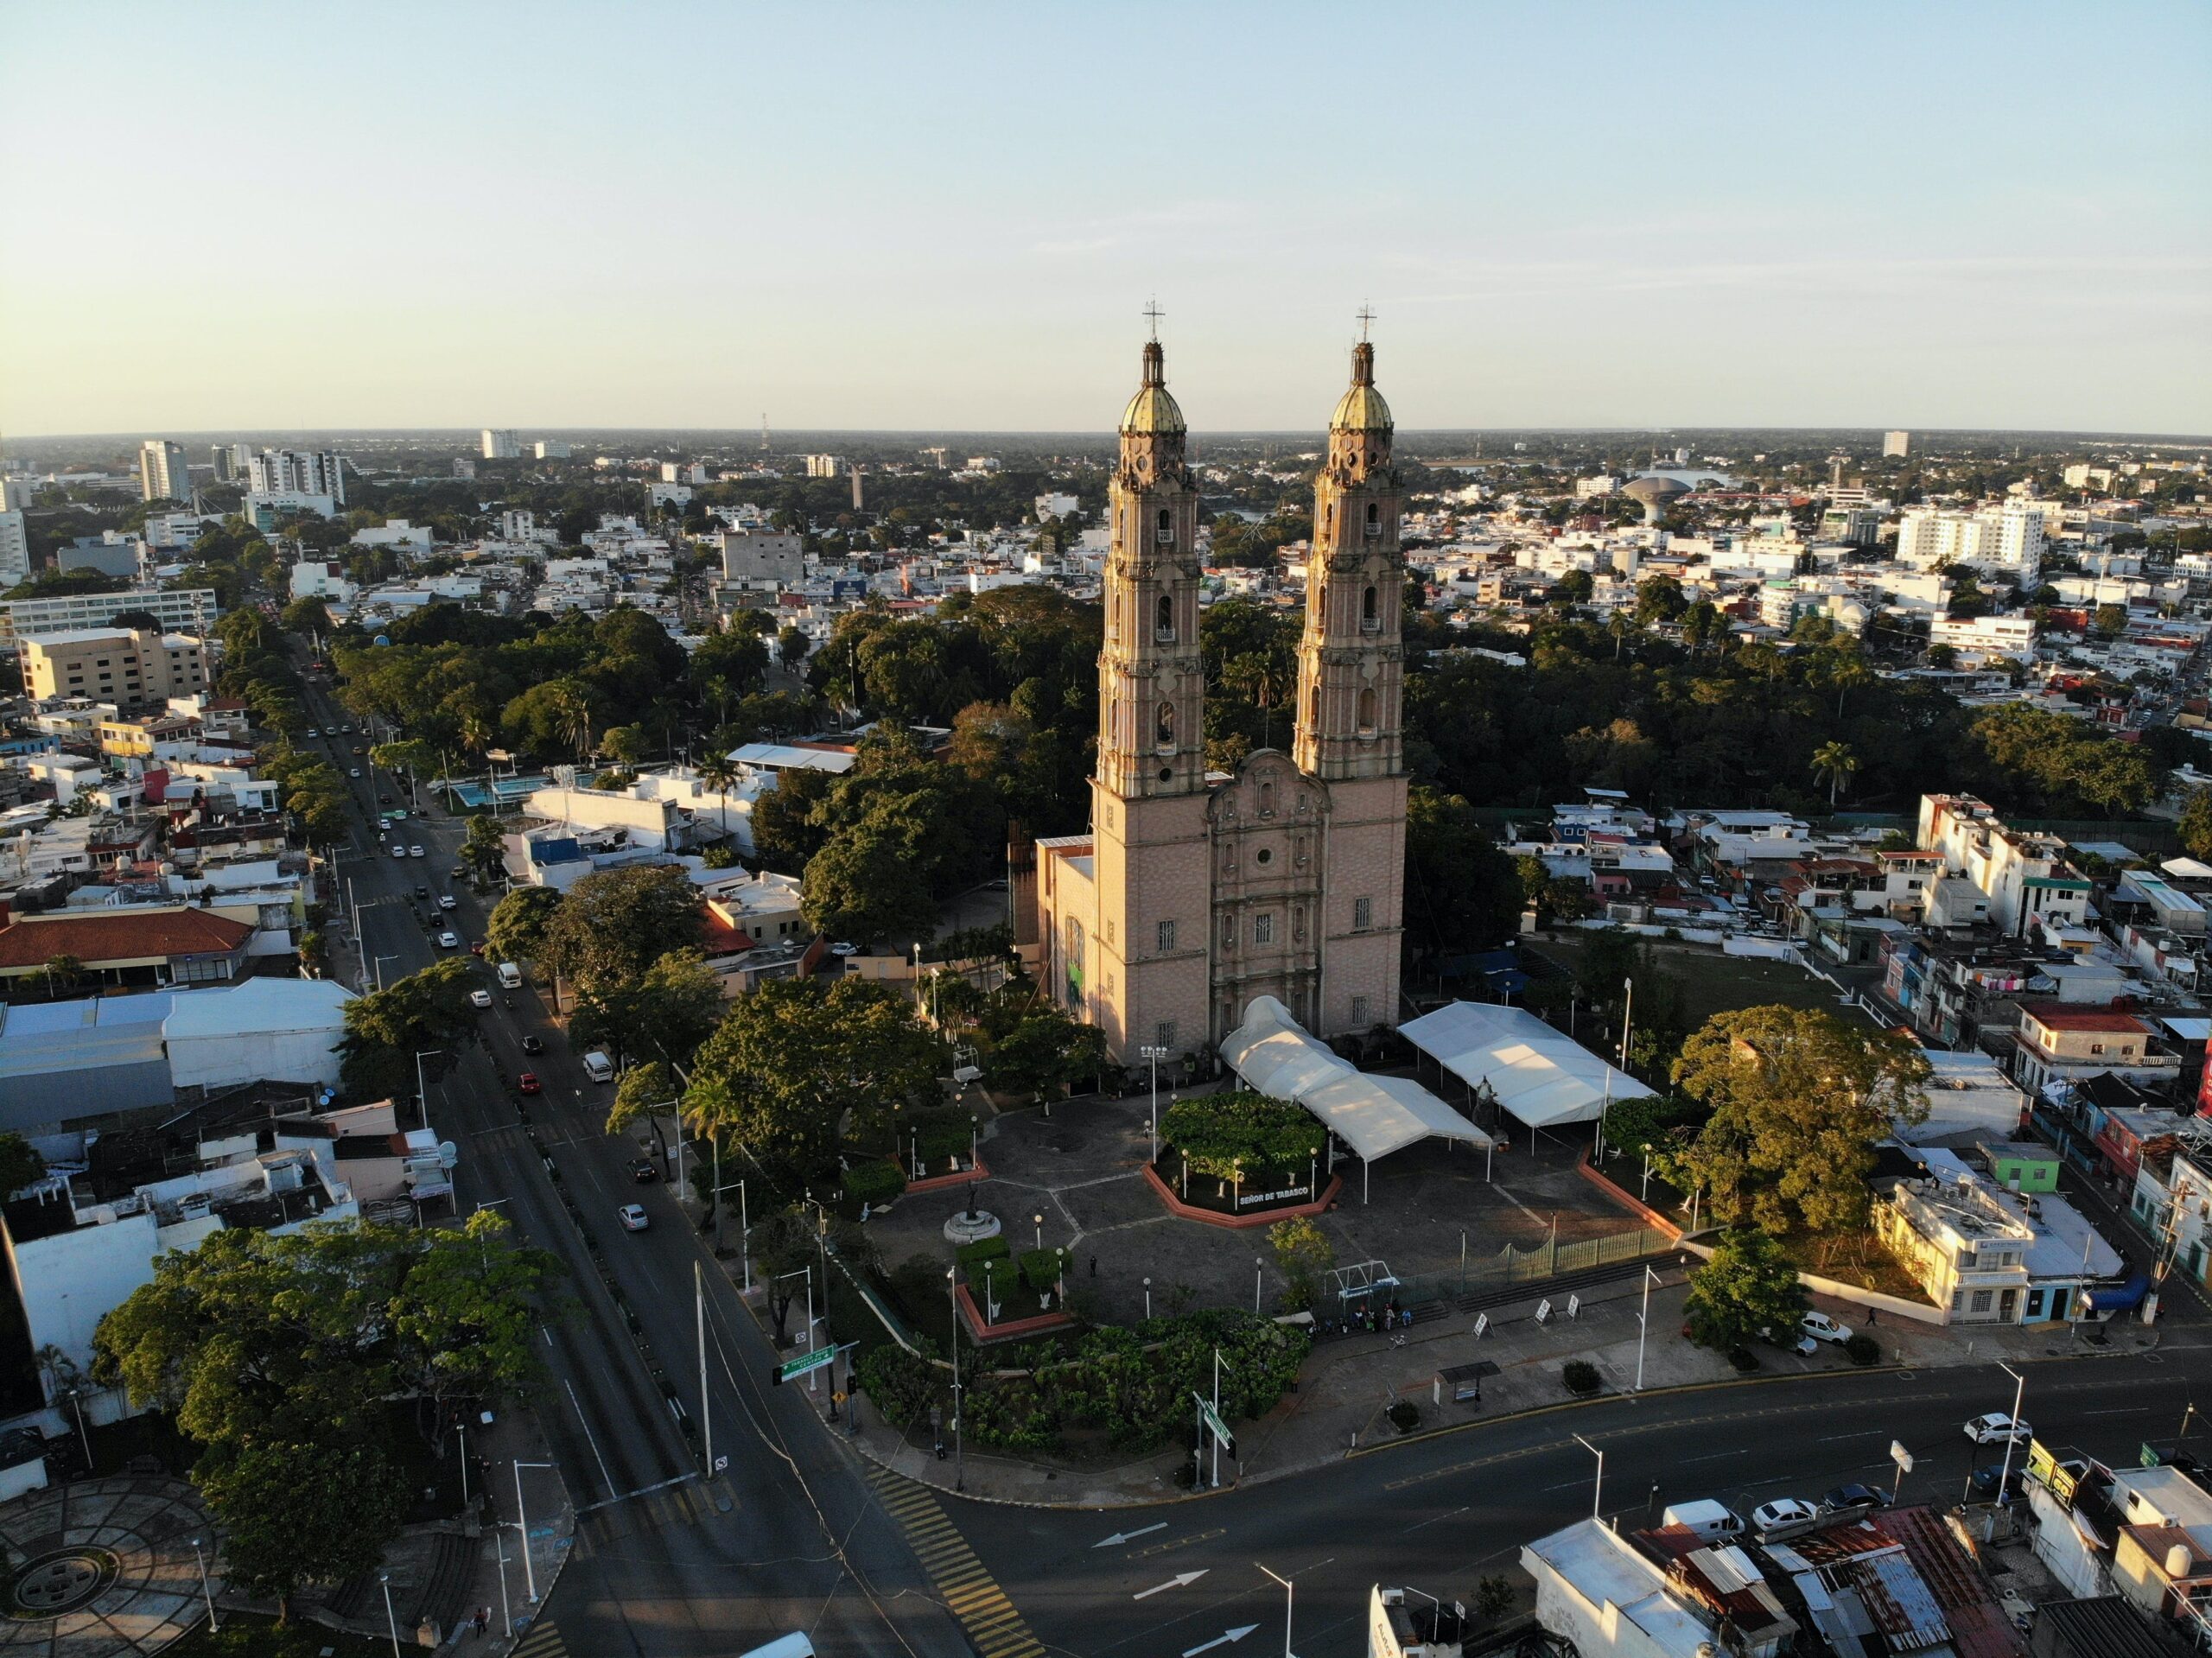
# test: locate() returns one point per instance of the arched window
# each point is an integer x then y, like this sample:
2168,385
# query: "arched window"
1166,530
1165,734
1374,519
1164,619
1369,619
1367,707
1266,798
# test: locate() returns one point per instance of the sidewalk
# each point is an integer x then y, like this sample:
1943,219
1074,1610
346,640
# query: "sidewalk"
1348,1383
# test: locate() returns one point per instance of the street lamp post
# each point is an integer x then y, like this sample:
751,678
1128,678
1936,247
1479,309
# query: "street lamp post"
1597,1491
1643,1324
522,1531
212,1625
952,1292
380,961
391,1620
1259,1267
1039,1219
2012,1437
1289,1605
1154,1055
1148,1298
421,1087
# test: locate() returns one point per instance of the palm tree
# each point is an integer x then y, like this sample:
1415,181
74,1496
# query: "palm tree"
572,706
61,970
718,773
1837,763
1847,673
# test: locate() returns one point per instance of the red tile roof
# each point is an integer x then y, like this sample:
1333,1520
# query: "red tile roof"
2069,1016
119,936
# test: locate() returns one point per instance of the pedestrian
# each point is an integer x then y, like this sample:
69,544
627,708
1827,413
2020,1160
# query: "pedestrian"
1094,1266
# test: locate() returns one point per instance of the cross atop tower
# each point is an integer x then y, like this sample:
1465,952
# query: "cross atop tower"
1153,314
1366,315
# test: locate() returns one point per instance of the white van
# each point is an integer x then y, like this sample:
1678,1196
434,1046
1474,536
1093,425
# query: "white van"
789,1646
510,976
599,1067
1714,1521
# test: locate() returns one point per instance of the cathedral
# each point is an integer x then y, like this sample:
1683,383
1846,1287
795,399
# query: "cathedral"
1197,890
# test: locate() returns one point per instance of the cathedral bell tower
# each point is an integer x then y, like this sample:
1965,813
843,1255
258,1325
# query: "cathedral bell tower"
1145,982
1350,659
1151,686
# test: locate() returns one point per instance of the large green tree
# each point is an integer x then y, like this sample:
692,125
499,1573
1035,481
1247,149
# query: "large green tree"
1799,1100
614,923
668,1010
798,1062
1747,1289
516,932
386,1029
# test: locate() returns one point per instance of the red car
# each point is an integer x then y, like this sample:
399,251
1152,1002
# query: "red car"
476,948
528,1082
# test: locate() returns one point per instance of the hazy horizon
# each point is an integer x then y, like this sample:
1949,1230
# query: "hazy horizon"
1721,216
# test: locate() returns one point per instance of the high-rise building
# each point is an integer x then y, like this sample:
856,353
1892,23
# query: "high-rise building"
226,462
499,445
824,466
163,473
297,472
1196,893
2009,538
550,449
1895,445
15,549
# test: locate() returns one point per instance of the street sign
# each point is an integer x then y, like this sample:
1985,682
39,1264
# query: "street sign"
1215,1425
1481,1323
792,1369
1543,1311
1574,1306
721,1462
1901,1457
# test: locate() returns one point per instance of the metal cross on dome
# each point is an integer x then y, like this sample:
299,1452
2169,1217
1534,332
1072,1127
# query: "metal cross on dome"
1153,314
1366,315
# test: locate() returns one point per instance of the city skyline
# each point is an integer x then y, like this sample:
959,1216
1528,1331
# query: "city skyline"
870,221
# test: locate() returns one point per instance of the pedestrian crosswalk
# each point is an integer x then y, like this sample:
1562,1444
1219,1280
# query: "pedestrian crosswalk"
541,1640
993,1628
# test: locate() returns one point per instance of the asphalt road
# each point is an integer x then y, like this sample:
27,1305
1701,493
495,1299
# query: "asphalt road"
791,1537
667,1564
1438,1513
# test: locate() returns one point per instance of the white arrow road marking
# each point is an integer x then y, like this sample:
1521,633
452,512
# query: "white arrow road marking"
1124,1536
1181,1580
1237,1634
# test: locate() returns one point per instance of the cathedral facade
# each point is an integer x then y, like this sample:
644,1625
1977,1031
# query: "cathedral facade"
1197,890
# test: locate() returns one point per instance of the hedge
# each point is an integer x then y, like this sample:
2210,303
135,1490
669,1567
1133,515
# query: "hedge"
1041,1269
1222,1133
874,1183
969,1254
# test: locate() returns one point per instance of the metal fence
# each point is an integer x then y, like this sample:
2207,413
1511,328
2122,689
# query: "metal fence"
1481,1275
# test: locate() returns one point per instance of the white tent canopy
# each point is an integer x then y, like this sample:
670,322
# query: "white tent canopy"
1540,1075
1374,1115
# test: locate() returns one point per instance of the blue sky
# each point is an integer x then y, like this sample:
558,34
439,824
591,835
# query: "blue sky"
949,217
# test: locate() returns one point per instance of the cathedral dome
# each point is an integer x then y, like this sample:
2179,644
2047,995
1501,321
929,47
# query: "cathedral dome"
1153,410
1361,409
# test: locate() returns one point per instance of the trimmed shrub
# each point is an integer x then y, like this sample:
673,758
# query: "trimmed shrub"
1581,1377
1224,1133
874,1183
983,1250
1862,1350
902,1385
1041,1269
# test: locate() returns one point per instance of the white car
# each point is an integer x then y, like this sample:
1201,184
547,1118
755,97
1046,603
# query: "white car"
447,901
634,1218
479,998
414,852
448,941
311,731
397,850
1782,1511
1994,1427
1822,1328
353,771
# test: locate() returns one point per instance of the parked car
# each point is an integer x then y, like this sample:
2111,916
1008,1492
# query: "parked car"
528,1082
1984,1481
452,941
479,999
644,1171
1796,1341
533,1044
1782,1513
633,1217
1714,1521
1994,1427
1853,1495
1822,1328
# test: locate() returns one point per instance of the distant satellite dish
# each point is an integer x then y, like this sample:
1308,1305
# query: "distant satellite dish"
448,1154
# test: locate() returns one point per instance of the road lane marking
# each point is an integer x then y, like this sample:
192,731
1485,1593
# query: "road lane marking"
1181,1580
994,1626
584,1423
1120,1537
1178,1543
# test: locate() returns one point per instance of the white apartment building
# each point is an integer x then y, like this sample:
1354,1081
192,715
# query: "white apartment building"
15,549
547,448
762,559
171,530
131,667
1055,505
2007,539
660,494
163,472
1895,445
825,466
499,445
297,472
1986,636
317,578
2024,875
188,610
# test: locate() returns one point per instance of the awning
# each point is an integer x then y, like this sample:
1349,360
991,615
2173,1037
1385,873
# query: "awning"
1534,1072
1374,1115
